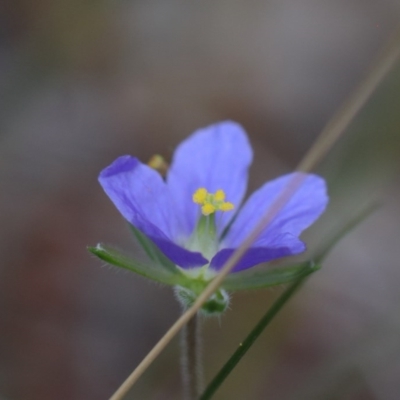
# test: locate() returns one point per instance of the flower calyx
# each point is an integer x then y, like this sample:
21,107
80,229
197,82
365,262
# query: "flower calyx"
216,304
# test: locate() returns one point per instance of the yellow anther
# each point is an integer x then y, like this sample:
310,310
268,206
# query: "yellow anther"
200,196
158,163
211,202
208,209
219,195
227,206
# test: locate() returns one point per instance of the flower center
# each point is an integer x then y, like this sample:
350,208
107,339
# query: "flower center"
210,203
204,238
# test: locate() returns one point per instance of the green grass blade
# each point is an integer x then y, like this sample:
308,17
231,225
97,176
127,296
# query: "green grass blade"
255,333
325,249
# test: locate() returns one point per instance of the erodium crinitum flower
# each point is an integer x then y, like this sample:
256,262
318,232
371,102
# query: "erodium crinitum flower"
195,214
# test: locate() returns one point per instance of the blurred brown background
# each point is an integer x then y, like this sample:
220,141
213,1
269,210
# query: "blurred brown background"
83,82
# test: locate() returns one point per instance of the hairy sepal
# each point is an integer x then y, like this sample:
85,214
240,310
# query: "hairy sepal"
269,277
156,271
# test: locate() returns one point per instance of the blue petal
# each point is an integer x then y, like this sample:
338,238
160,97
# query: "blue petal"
141,196
215,157
285,245
305,206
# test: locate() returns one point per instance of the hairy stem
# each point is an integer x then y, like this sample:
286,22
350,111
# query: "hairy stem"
191,361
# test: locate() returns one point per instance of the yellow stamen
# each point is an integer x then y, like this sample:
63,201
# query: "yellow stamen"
200,196
158,163
211,202
219,195
227,206
208,209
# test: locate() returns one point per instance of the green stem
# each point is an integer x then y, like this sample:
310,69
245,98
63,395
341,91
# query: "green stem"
192,367
254,334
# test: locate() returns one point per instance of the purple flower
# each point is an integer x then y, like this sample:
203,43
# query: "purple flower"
195,217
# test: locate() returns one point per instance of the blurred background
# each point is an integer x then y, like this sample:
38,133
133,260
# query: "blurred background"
83,82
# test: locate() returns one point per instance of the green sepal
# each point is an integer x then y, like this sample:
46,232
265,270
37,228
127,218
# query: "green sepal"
151,270
152,251
270,277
